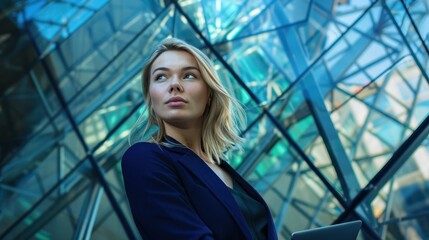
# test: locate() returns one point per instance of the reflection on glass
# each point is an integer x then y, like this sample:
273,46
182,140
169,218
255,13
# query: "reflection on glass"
401,206
346,80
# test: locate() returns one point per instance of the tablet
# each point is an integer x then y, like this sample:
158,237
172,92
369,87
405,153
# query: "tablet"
342,231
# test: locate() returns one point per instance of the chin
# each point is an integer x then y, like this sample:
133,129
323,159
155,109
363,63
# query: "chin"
175,118
179,119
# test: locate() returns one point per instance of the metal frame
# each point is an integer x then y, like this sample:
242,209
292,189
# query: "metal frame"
356,204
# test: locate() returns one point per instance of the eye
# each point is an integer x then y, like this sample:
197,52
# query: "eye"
189,76
159,77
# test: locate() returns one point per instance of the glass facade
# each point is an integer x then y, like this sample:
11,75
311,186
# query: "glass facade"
336,95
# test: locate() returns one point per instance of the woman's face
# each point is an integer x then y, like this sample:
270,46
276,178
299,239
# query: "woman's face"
178,92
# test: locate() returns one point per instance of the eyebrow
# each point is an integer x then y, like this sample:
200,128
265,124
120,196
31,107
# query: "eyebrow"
167,69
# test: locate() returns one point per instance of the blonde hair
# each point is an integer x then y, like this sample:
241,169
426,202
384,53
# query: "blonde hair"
223,114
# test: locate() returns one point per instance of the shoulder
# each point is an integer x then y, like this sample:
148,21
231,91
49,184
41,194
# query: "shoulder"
143,148
145,155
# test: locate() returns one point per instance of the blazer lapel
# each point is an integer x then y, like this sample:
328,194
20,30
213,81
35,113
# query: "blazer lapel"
200,169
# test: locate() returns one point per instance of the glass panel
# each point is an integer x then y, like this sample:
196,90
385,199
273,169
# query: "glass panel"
107,221
261,64
58,20
415,34
216,19
271,16
376,121
95,127
251,109
124,65
53,207
296,197
401,208
45,159
107,224
347,80
293,113
65,218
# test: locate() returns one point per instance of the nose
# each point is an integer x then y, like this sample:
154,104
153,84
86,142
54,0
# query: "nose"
175,85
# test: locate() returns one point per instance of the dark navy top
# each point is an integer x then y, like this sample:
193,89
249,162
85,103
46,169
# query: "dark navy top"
253,211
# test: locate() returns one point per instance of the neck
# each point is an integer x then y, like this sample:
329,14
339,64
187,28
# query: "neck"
189,137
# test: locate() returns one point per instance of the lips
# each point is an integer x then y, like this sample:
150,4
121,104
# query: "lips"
175,100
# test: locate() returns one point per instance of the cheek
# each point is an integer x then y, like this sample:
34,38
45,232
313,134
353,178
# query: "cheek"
154,95
205,93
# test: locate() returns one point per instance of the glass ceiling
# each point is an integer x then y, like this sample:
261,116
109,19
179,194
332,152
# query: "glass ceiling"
336,95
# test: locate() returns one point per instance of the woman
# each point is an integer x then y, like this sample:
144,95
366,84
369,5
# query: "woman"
177,183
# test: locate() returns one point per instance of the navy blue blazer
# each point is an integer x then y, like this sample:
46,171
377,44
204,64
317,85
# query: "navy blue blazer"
173,194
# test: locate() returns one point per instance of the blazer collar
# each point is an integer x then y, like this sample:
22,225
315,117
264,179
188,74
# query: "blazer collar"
202,171
176,146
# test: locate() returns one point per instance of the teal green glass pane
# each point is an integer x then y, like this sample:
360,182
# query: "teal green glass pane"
219,19
56,21
61,204
252,110
261,64
182,30
220,16
29,11
195,12
109,157
107,116
293,192
54,13
265,149
292,112
26,193
273,15
36,168
126,65
98,52
119,140
373,82
62,224
92,4
107,223
256,142
109,226
76,21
